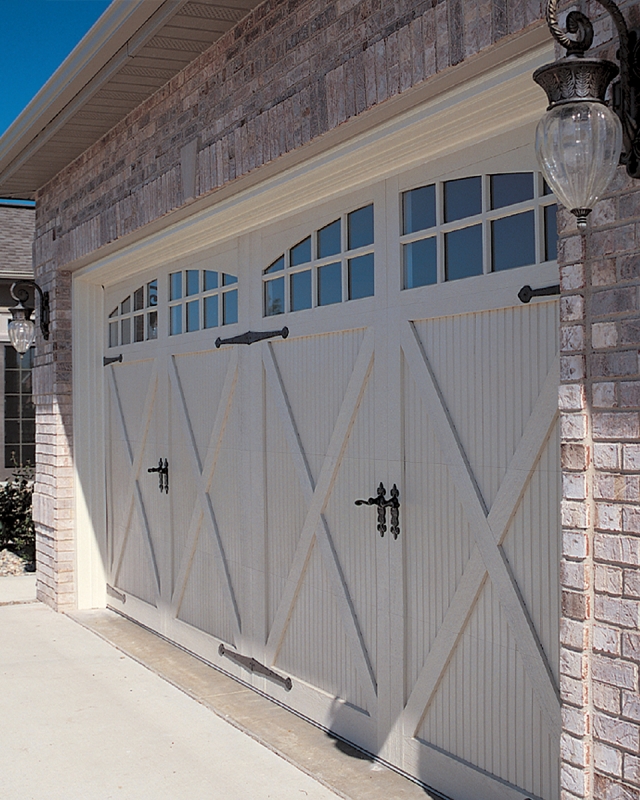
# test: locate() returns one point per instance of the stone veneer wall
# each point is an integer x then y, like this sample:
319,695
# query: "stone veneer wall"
600,429
287,73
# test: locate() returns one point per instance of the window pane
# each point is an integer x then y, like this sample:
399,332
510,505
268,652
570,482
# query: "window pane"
463,253
12,406
420,263
12,455
125,307
28,454
138,328
419,209
152,293
513,241
175,286
510,188
193,281
462,198
12,381
546,188
11,358
114,313
193,315
329,284
228,279
360,227
152,325
274,297
113,334
210,280
277,265
301,290
329,239
211,311
175,320
28,430
125,331
229,308
301,253
138,299
361,277
12,431
26,359
25,378
551,233
28,408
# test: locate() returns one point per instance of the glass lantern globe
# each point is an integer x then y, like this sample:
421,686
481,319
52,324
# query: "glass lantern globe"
578,146
21,328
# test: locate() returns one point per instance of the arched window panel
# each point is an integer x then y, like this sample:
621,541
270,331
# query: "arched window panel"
333,264
476,225
135,318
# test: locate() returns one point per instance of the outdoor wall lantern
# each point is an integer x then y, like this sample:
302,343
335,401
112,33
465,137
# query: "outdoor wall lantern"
580,141
21,328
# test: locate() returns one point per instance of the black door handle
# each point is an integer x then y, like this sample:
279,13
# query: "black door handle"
383,504
163,475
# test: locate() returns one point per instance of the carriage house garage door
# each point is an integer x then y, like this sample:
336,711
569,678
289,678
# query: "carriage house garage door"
411,363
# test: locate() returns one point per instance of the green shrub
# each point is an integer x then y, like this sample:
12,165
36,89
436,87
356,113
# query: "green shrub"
17,532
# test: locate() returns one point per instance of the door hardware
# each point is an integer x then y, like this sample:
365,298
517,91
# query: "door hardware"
115,360
163,475
255,666
381,501
527,293
115,593
253,336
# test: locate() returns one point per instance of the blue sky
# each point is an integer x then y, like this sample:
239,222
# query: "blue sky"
35,38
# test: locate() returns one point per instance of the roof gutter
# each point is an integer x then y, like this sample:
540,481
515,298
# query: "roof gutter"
123,28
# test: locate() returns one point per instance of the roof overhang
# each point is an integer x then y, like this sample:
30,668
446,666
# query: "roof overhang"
133,49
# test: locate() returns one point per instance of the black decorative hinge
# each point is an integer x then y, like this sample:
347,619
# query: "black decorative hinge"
115,593
526,294
115,360
163,475
253,336
255,666
393,503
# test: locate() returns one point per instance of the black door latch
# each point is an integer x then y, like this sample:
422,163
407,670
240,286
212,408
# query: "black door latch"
383,504
163,475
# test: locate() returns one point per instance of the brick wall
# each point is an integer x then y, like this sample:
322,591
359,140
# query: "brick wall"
600,419
16,240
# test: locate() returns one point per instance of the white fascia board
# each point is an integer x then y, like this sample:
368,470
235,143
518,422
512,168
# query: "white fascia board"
112,34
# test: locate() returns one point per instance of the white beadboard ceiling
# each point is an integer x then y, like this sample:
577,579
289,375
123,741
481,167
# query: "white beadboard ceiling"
131,51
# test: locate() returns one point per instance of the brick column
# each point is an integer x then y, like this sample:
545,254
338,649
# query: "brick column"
53,498
600,425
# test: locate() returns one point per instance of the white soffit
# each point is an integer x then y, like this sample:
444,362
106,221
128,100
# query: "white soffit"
133,49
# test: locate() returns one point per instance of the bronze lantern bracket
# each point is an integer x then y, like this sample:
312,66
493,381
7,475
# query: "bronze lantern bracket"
21,296
576,78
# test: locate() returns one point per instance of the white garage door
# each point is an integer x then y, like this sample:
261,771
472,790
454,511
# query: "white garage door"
409,365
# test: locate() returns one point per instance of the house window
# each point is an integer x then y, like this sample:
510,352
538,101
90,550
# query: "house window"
19,410
201,298
332,265
472,226
135,319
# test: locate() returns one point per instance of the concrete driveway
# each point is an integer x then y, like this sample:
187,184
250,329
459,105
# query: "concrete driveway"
82,721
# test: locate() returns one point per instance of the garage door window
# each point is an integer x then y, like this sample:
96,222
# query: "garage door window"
136,317
201,298
332,265
471,226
